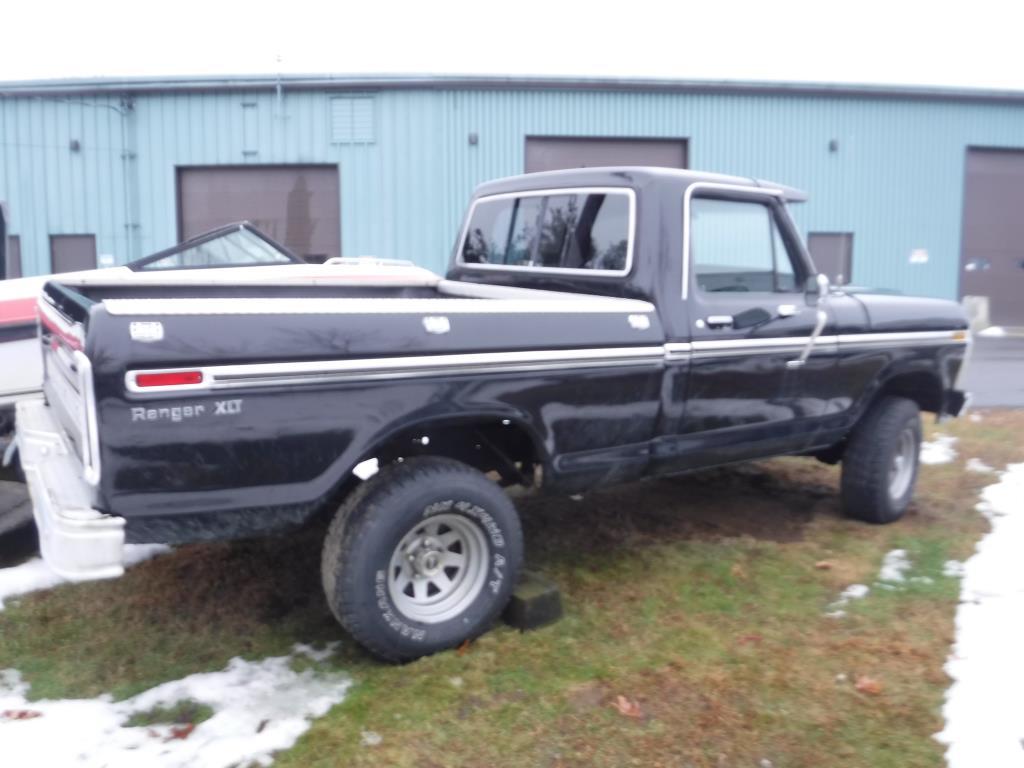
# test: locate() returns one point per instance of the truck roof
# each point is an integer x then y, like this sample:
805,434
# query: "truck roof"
631,176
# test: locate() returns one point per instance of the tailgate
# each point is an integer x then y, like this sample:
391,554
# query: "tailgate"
67,373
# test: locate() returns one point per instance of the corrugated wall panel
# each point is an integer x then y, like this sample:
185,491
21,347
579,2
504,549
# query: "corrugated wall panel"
52,188
895,180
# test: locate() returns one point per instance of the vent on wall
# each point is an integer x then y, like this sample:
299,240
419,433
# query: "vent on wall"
250,129
352,120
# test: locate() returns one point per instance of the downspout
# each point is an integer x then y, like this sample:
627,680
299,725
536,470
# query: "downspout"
129,179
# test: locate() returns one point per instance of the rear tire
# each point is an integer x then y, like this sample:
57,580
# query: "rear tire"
881,461
421,557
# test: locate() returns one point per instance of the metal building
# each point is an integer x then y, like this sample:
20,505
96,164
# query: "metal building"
918,190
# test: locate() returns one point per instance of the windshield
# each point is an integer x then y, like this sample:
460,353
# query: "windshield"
238,247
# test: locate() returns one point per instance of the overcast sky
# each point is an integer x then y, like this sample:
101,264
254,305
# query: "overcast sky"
975,43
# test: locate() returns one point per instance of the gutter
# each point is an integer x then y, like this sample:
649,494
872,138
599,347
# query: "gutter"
339,82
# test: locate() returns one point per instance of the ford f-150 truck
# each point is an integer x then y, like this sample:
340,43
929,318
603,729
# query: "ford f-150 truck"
596,326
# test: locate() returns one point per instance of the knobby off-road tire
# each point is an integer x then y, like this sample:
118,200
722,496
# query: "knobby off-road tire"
421,557
881,461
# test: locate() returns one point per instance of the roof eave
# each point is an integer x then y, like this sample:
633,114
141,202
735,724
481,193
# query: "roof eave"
142,85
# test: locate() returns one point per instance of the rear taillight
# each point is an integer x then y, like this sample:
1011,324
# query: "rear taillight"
169,379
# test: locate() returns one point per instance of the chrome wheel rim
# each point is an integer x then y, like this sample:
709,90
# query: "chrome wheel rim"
901,472
438,568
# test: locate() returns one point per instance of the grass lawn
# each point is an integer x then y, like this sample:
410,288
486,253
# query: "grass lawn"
701,600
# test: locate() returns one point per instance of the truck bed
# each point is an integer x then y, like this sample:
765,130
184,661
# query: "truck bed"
330,312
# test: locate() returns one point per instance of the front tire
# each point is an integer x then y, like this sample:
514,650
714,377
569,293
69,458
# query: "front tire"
881,461
421,557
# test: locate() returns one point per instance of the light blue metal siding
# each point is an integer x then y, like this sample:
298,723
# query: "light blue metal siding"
895,181
52,190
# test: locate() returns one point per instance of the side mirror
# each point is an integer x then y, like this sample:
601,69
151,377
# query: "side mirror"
816,288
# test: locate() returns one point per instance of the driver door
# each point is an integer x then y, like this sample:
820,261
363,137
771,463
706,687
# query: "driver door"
749,391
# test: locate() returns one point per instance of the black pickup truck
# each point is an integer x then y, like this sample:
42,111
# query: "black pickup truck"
595,326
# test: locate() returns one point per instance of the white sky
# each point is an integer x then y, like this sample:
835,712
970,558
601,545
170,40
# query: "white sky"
975,43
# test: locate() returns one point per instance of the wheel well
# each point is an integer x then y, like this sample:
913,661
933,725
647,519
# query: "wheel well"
923,387
493,445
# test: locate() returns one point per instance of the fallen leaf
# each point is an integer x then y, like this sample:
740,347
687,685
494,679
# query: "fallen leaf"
628,707
823,565
461,650
749,639
738,571
263,724
181,731
20,714
868,685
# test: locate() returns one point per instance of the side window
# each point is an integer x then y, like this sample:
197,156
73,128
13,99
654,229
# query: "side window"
735,247
584,230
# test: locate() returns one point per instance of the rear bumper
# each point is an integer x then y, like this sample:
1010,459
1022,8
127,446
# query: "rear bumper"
77,541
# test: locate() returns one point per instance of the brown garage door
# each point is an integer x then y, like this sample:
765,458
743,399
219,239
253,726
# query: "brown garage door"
549,153
297,205
992,254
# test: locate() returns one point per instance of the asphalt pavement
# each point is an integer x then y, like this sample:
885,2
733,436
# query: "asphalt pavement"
995,372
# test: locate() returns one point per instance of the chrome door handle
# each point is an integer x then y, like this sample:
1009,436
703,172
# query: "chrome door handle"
787,310
719,321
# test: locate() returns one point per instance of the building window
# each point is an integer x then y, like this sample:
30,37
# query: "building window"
72,253
352,120
832,253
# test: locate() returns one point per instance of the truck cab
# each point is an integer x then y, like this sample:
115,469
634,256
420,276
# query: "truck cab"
752,331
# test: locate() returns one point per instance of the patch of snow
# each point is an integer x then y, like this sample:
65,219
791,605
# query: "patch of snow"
260,707
35,575
894,567
138,553
892,574
31,576
370,738
852,592
954,569
977,465
312,653
938,451
984,725
993,332
855,592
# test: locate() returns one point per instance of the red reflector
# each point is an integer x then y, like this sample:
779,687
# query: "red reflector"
175,379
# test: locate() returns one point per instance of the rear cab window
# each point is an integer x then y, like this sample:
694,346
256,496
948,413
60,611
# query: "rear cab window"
556,230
